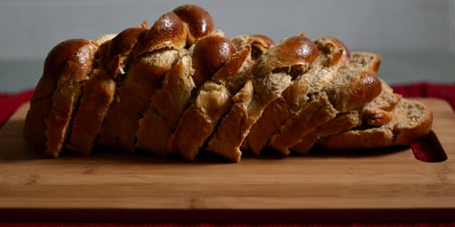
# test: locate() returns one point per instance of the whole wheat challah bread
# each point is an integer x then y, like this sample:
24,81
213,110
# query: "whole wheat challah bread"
180,86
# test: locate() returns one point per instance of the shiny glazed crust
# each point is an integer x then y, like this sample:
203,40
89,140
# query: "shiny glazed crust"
179,86
66,66
197,21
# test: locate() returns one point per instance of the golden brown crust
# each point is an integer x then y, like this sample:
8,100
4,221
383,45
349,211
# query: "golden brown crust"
66,66
302,112
68,62
167,32
362,90
209,54
197,20
229,75
66,100
295,51
96,98
73,56
77,70
121,46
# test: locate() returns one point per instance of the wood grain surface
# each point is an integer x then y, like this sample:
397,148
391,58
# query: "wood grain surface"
108,185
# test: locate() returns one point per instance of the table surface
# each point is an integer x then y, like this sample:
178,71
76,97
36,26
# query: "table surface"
396,68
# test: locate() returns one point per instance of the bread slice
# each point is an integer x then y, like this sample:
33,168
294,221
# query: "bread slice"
353,86
333,55
211,102
153,56
166,108
98,93
274,73
119,52
378,112
214,97
67,64
95,98
381,110
169,103
65,101
413,120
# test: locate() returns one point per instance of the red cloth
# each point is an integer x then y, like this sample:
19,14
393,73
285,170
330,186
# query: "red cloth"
425,89
10,102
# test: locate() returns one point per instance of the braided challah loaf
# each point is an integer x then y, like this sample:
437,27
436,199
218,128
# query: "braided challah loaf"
180,86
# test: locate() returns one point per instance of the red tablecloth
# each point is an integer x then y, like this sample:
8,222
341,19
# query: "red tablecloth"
10,102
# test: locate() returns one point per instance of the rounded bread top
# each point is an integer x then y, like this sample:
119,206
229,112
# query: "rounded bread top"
338,54
120,46
210,54
68,62
198,21
167,32
293,51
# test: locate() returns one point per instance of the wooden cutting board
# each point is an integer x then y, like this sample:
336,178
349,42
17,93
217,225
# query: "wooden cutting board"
113,186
